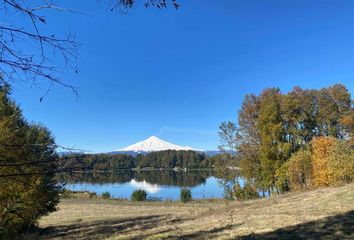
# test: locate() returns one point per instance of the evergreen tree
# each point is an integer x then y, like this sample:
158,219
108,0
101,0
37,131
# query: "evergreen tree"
28,161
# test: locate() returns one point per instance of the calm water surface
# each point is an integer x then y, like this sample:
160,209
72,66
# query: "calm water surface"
162,185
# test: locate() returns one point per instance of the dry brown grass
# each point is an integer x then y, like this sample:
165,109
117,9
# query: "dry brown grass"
323,213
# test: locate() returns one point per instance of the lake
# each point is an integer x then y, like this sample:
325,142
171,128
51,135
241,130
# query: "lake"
163,185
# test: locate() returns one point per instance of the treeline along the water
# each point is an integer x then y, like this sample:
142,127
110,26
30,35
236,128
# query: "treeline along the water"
168,159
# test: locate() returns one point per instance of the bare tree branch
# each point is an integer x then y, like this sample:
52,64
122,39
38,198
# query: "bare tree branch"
128,4
28,53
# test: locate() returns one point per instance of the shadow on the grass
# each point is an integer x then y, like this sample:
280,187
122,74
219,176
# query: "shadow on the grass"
206,234
334,227
105,228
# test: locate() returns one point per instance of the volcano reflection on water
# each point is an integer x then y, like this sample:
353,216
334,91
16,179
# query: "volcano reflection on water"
165,185
148,187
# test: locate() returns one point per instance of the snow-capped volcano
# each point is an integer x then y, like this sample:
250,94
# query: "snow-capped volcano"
153,144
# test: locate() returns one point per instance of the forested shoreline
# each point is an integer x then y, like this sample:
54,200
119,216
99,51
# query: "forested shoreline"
169,159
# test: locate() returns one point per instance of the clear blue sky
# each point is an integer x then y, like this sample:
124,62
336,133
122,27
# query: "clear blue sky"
178,74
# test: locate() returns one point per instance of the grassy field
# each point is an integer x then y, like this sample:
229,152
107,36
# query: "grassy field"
321,214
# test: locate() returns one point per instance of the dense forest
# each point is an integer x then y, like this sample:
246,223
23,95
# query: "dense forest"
298,140
97,162
168,159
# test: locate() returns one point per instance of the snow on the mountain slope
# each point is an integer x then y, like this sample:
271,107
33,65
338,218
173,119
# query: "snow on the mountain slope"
153,144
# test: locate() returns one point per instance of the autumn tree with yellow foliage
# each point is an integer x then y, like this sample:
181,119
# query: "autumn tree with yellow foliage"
332,162
297,140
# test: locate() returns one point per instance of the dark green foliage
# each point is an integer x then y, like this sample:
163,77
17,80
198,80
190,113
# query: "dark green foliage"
106,195
28,164
97,162
185,195
139,195
116,162
170,159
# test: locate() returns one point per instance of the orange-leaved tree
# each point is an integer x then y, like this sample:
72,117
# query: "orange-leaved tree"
321,150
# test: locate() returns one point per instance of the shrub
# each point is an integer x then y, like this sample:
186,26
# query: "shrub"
332,162
250,191
138,195
246,192
341,162
298,170
92,194
106,195
65,194
185,195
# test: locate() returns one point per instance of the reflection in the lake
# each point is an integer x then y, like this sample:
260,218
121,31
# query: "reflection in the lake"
144,185
181,179
158,184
